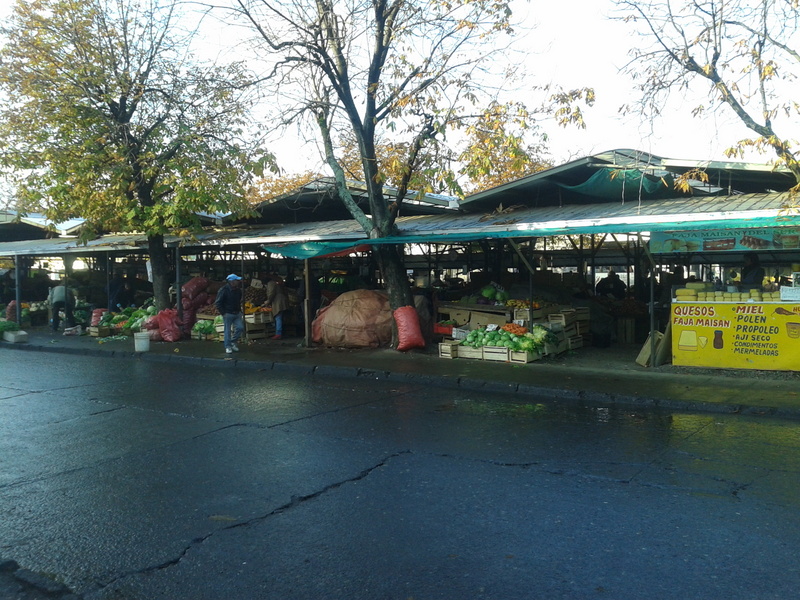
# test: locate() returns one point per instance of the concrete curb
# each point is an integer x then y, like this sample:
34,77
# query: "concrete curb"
518,390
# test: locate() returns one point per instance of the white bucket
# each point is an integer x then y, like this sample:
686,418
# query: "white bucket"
141,341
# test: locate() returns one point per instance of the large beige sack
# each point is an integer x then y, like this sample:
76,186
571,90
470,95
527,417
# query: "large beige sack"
363,319
357,319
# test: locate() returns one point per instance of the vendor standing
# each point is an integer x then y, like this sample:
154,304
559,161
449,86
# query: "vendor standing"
752,272
612,285
278,301
62,297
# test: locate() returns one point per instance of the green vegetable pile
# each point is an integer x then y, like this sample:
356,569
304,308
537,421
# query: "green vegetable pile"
533,341
112,338
8,326
204,327
133,318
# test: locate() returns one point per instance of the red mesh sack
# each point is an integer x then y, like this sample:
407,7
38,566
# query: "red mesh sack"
97,314
11,311
193,287
169,325
189,318
408,330
150,324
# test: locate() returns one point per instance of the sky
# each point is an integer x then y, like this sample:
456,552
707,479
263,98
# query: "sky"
582,47
573,43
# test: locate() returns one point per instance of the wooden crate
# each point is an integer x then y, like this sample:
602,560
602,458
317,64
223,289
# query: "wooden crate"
470,352
258,318
645,358
563,318
205,316
207,337
575,342
526,314
448,350
555,349
582,313
523,357
495,353
626,330
99,331
254,327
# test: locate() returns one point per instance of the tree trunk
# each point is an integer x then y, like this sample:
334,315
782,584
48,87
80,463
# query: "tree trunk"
159,262
390,262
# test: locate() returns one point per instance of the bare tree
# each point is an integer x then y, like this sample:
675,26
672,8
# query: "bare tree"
745,52
368,69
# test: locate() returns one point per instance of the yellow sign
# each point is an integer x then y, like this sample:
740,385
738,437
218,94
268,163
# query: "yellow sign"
746,335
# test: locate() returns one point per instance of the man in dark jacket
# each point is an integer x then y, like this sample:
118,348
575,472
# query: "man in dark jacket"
229,305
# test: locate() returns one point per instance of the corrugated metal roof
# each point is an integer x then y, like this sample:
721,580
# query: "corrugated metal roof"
68,227
724,212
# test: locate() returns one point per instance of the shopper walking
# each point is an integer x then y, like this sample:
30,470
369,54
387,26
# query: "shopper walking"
229,305
278,300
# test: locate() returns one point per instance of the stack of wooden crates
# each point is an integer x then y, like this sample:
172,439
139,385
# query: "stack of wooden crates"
257,326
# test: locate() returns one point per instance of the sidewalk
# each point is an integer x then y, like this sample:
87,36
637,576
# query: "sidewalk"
593,376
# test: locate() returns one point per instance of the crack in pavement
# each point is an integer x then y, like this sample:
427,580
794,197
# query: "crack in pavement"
736,487
294,502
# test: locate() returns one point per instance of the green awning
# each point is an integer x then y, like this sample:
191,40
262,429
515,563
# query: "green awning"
623,184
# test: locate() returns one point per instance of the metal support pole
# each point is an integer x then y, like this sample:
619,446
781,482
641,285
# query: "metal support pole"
108,279
178,292
653,357
307,302
18,289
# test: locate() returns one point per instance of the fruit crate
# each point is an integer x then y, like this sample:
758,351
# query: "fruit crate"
523,357
258,318
525,314
448,350
495,353
555,349
99,331
582,313
563,318
207,337
470,352
575,342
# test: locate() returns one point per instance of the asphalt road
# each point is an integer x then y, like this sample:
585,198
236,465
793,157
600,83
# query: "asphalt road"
133,480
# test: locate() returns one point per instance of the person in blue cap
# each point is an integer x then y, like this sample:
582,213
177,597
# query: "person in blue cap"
229,305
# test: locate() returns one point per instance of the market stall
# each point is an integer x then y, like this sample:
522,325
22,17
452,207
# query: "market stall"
731,322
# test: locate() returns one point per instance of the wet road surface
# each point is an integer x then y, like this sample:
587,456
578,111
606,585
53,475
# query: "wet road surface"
124,479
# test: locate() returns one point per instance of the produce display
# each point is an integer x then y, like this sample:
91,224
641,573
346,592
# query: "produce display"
254,296
8,326
128,318
515,329
515,303
491,294
532,341
204,327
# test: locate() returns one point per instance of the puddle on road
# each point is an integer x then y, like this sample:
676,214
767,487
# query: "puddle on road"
551,411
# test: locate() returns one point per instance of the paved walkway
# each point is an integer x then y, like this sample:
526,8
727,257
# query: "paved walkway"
599,376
